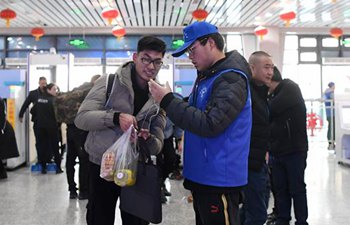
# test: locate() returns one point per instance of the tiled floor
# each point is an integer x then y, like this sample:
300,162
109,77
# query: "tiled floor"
29,199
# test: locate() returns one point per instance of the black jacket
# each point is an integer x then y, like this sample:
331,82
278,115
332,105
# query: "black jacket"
45,108
8,144
260,136
32,98
288,119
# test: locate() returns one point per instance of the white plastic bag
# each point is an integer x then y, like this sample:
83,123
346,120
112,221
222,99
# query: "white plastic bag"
119,162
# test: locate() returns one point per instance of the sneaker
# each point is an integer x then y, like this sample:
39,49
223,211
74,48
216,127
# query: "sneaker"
166,192
73,195
271,218
176,175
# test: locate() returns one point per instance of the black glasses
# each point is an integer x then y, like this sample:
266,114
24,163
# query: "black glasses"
191,49
156,62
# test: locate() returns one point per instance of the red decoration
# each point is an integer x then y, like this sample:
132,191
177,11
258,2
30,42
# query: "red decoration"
336,32
287,17
8,14
37,32
260,31
118,31
199,14
109,14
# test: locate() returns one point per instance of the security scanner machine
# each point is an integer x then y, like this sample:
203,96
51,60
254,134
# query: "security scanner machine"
342,127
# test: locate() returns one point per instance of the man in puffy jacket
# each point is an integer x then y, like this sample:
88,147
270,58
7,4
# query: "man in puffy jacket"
254,210
129,103
217,123
289,146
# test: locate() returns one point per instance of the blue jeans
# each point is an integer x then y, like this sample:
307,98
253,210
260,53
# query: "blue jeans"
254,210
288,179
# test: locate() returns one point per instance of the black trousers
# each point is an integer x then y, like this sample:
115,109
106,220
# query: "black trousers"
75,149
103,196
37,144
48,141
167,158
288,174
216,208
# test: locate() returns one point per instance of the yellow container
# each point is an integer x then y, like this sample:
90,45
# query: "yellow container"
124,178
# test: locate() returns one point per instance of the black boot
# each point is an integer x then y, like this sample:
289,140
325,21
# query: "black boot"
3,173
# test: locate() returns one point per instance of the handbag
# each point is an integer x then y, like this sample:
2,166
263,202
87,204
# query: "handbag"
143,198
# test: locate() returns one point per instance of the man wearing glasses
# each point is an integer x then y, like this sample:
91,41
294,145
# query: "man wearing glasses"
129,103
217,123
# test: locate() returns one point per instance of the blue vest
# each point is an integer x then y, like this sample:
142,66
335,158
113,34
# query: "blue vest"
220,161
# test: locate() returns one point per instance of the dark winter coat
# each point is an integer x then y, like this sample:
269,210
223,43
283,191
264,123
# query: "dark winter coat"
8,144
32,98
260,136
288,119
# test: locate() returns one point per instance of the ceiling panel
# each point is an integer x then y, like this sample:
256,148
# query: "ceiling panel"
167,14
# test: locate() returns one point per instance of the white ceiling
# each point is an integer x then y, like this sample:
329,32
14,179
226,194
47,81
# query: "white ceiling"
165,16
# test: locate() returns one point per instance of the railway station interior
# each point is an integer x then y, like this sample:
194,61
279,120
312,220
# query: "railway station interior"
70,41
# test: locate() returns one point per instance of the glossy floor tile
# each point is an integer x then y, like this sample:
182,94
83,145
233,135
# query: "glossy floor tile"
36,199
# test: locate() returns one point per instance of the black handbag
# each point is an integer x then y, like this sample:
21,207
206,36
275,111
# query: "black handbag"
143,198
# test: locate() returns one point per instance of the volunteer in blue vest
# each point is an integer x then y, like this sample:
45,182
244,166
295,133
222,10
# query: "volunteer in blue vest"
217,123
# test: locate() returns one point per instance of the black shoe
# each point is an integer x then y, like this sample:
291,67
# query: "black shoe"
73,195
43,170
59,170
83,196
163,199
3,174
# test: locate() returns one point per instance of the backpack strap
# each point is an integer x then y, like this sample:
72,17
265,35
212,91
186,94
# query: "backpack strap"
109,85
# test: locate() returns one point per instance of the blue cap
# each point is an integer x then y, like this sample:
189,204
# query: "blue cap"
192,33
331,84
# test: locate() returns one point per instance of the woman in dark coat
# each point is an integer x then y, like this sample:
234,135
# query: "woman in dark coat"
8,144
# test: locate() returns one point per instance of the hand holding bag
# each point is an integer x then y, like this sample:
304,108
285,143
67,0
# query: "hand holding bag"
143,198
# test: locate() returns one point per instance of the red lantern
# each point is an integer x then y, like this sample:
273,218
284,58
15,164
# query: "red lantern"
287,17
336,32
199,14
7,14
118,31
260,31
37,32
109,14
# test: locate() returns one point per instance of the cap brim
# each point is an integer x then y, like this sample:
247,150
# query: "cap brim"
180,51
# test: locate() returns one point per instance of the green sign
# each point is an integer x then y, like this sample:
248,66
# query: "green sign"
177,43
79,43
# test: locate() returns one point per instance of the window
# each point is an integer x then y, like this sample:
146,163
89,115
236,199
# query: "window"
25,43
308,42
330,42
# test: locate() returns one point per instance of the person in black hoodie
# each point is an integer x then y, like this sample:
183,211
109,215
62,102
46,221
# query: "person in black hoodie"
48,128
289,146
33,99
254,209
8,144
